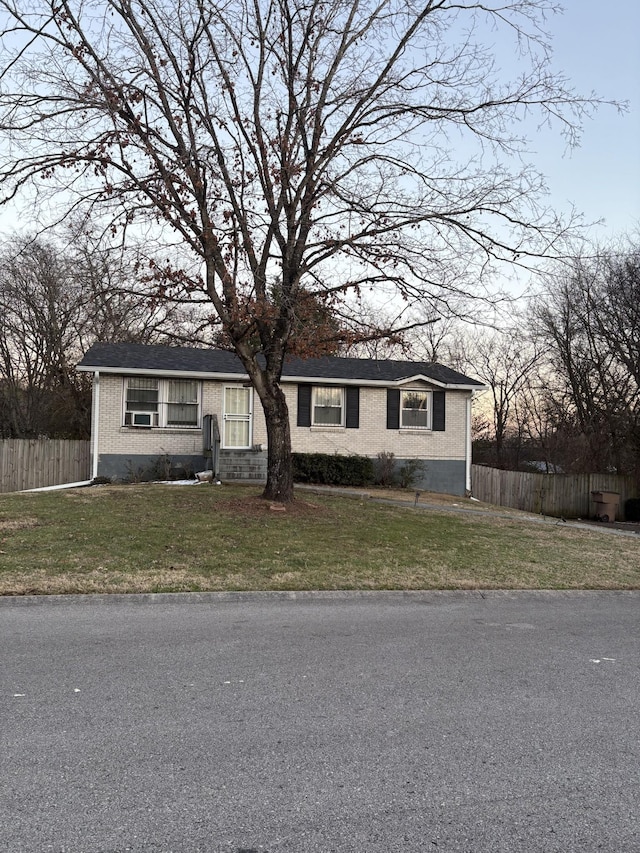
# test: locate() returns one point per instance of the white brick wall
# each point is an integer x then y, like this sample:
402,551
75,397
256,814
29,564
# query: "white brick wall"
114,438
371,438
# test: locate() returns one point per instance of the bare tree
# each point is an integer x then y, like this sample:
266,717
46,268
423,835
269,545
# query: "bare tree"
331,145
505,361
39,300
435,341
116,303
56,299
589,323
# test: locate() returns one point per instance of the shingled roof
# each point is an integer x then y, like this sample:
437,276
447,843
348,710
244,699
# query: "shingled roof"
215,363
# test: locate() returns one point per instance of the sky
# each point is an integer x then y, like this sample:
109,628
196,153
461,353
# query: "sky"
596,46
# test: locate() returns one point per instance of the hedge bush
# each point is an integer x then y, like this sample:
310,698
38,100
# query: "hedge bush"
332,470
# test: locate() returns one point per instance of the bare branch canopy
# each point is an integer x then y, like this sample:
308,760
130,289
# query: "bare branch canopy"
297,148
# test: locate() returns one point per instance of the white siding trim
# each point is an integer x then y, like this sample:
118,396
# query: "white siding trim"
469,446
95,424
305,380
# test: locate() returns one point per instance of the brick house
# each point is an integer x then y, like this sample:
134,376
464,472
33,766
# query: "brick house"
153,401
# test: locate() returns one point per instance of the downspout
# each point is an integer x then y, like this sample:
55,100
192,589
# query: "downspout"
95,419
468,443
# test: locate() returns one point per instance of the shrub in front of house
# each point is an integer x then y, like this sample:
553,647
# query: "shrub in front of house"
330,469
385,469
410,473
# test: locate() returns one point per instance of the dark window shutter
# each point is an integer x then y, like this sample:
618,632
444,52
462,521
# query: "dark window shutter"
393,408
353,407
438,411
304,405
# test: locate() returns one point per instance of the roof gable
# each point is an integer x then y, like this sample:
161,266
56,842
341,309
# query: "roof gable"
126,358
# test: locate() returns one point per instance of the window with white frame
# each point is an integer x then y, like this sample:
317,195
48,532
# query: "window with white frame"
141,402
150,402
182,403
415,409
237,416
328,406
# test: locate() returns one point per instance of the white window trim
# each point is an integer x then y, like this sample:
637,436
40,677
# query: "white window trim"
159,418
429,425
343,413
249,418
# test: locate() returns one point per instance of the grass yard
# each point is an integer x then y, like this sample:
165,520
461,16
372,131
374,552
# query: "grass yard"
155,538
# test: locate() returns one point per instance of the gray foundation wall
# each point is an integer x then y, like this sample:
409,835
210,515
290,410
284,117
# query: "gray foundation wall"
233,464
438,475
447,476
143,467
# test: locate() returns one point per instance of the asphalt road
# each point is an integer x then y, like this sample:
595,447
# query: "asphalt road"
427,722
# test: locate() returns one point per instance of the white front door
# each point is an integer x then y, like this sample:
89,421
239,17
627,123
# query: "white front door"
237,416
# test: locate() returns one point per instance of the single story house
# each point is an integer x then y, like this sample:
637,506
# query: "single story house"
152,402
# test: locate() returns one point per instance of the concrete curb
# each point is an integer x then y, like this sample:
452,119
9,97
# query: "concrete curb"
400,596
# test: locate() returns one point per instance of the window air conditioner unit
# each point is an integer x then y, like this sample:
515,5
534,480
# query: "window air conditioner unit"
144,419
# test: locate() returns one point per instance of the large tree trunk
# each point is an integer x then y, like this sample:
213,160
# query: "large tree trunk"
280,464
266,382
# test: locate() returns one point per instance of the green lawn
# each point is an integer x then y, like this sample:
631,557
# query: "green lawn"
155,538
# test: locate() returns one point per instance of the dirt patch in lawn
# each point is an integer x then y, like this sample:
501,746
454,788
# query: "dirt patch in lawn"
17,523
255,506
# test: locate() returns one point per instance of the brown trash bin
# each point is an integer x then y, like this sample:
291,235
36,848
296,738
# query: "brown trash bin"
606,505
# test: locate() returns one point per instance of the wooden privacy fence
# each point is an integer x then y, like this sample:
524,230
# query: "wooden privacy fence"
32,463
567,495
